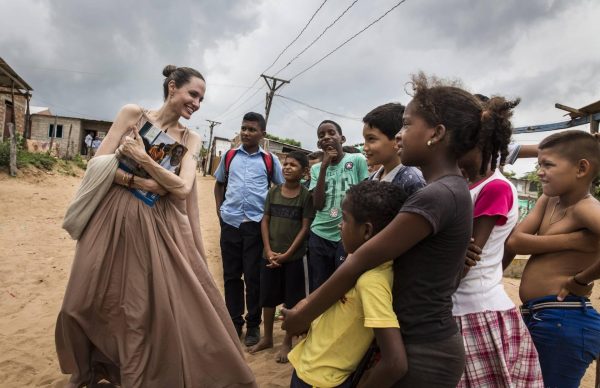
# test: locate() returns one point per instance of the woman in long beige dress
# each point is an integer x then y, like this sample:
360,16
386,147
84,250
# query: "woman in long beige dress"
141,308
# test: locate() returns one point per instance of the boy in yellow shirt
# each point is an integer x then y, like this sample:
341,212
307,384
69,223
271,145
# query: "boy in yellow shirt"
338,339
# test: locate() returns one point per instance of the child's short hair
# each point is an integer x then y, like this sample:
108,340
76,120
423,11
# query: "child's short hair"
336,125
257,118
351,150
300,157
387,118
375,202
316,155
575,145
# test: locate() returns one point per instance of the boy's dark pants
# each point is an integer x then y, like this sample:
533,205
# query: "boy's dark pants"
567,339
241,250
322,256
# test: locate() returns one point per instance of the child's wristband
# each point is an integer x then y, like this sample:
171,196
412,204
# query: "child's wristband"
581,283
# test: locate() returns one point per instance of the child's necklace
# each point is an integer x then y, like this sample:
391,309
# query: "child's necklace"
564,212
552,214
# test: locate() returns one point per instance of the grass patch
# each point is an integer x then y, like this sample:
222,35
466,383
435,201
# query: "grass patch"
41,160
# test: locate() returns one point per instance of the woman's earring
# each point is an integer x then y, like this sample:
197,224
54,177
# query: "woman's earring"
429,143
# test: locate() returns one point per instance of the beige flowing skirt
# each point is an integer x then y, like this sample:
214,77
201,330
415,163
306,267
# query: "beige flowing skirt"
141,308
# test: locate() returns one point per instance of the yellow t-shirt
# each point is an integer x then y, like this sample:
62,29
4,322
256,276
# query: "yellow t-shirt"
338,339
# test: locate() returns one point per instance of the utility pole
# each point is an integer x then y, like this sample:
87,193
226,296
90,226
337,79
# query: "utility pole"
208,163
274,85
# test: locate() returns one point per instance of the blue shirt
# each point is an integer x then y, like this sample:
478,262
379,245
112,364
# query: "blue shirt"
247,186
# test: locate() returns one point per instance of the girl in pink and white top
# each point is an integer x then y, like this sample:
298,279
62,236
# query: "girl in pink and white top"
499,350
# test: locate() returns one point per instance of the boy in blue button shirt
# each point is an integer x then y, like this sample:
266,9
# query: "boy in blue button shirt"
240,212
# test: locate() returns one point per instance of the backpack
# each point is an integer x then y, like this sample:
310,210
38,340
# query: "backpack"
267,159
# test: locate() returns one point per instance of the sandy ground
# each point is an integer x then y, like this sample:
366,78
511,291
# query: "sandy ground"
35,260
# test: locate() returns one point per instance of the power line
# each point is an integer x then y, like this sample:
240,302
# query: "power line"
81,115
276,59
296,38
318,37
319,109
286,106
228,113
349,39
60,70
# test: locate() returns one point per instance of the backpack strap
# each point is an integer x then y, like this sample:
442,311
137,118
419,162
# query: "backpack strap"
268,160
228,158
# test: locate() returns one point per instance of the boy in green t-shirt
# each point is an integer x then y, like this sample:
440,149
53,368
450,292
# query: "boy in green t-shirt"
284,227
329,182
338,339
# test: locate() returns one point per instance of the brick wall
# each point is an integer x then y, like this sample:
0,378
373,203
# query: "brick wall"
20,110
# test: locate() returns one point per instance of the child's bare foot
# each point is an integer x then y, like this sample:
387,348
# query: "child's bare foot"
282,357
264,343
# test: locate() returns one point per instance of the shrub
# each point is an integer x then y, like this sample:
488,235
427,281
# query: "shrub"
39,160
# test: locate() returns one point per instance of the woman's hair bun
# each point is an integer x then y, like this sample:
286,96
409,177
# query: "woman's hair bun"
168,70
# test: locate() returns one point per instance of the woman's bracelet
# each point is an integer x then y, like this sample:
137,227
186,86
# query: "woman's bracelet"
124,178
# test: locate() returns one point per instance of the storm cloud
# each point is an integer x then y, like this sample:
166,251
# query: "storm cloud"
88,59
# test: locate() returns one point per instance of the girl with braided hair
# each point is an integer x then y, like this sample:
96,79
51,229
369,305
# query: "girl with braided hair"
428,237
499,351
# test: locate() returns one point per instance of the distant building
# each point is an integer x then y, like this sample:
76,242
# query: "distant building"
528,194
276,147
220,145
15,94
69,132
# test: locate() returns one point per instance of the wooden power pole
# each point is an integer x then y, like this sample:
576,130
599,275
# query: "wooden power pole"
274,84
208,163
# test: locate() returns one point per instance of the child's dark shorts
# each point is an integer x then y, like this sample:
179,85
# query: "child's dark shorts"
285,284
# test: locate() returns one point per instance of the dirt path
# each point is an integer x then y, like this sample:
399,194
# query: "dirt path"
35,259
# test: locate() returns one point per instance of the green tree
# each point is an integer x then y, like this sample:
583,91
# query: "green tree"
533,177
284,140
509,174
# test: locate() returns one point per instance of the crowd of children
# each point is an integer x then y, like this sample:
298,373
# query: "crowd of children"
389,261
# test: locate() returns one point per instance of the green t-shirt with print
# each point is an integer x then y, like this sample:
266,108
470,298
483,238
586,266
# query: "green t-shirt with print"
351,170
286,219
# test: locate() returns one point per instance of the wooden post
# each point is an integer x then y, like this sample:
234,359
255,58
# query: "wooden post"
53,134
210,141
27,128
68,141
271,93
593,124
13,149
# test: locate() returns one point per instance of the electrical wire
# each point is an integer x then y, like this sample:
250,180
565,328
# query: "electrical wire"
226,111
296,38
318,37
84,116
319,109
348,40
226,115
286,106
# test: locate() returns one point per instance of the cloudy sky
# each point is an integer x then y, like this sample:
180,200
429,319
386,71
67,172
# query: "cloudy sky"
86,59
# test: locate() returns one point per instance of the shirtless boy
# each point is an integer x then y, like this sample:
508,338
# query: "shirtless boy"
562,235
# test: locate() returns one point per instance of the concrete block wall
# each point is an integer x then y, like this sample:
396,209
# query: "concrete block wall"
39,134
